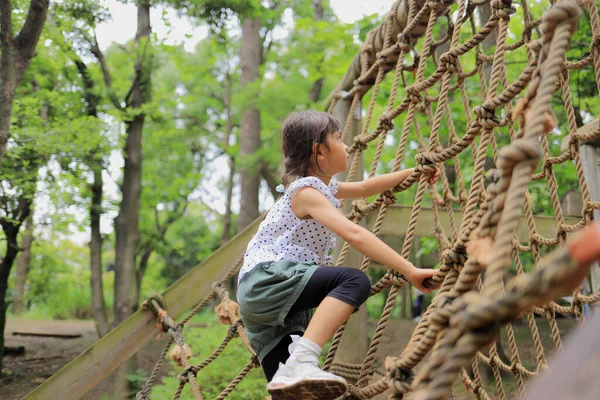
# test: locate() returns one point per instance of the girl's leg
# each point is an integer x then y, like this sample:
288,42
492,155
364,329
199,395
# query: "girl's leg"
328,318
279,354
336,292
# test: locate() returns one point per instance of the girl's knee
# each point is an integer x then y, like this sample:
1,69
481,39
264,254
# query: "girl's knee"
363,289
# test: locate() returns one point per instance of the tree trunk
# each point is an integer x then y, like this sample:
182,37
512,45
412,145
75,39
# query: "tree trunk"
7,81
99,312
315,91
485,12
98,304
226,234
126,223
23,263
251,55
11,231
142,268
16,56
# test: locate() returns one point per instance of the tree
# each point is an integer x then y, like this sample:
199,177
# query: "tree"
257,20
18,177
23,266
17,52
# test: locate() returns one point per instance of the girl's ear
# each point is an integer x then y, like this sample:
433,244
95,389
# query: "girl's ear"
317,151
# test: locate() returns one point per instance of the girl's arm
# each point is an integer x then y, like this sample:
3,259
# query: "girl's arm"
310,203
377,184
374,185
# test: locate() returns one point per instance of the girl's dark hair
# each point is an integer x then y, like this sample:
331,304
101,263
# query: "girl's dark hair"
301,130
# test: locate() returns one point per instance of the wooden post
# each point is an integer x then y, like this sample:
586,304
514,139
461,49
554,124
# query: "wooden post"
573,373
590,158
354,344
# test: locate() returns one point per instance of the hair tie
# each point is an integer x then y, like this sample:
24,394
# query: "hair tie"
280,188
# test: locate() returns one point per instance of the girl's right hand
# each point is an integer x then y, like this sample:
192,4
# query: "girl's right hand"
418,275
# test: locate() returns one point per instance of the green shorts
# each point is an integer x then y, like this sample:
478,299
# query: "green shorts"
265,295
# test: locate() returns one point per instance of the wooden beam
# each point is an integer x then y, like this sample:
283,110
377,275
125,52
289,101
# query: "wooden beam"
106,355
590,156
397,218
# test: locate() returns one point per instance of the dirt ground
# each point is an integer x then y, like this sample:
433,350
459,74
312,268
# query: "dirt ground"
45,355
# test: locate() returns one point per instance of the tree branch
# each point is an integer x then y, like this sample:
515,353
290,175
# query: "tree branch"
139,68
95,50
27,39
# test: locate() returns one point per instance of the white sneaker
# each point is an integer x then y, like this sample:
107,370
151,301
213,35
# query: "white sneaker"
305,381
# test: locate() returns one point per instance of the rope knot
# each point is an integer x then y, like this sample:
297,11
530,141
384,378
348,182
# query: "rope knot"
388,197
404,42
255,362
183,376
178,354
396,278
425,165
486,117
398,378
413,94
228,312
386,122
454,256
360,142
521,150
503,8
358,208
450,61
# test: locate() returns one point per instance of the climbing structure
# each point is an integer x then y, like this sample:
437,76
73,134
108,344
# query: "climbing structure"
435,53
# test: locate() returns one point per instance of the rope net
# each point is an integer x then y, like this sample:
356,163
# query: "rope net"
433,60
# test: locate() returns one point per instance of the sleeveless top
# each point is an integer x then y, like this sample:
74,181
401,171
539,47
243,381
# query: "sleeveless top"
284,236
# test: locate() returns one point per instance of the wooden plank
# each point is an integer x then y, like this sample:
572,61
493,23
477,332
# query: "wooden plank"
106,355
397,217
19,326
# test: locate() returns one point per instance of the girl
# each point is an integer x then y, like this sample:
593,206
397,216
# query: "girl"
284,275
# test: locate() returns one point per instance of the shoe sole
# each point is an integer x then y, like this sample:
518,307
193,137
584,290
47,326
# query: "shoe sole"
310,390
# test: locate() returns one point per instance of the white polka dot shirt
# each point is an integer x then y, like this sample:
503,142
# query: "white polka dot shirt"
283,236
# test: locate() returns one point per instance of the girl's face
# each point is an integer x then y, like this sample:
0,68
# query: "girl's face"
333,158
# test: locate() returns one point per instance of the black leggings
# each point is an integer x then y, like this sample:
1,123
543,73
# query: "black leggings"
350,285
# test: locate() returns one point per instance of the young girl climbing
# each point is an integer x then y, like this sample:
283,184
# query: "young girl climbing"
285,274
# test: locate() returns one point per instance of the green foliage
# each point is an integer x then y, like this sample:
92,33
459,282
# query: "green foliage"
58,282
188,242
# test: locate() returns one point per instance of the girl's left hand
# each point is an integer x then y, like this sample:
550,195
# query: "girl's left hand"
418,275
432,179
